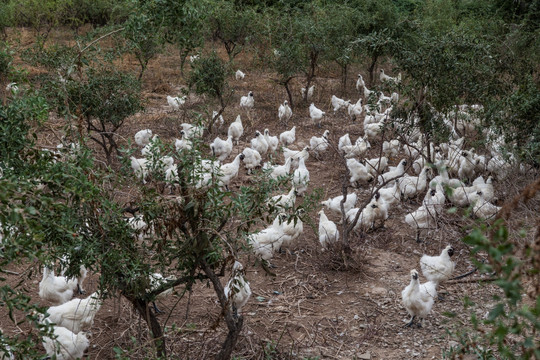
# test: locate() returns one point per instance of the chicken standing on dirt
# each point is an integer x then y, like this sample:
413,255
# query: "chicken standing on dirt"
77,314
66,345
56,289
418,298
237,290
438,268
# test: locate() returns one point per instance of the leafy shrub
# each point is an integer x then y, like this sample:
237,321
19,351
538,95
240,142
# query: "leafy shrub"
209,76
105,100
6,57
510,329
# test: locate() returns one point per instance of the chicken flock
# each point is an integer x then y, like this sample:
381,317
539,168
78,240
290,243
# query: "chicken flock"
436,173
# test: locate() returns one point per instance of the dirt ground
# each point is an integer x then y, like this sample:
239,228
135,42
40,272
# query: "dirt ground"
309,309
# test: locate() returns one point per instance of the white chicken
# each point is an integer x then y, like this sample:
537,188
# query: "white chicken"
56,289
373,130
334,204
338,103
142,137
391,195
183,143
236,129
295,155
275,172
483,209
267,241
239,75
385,78
355,110
77,314
486,187
360,147
221,148
438,268
328,232
467,165
309,94
229,171
247,101
175,102
359,172
288,137
418,298
316,114
218,120
252,159
376,212
81,275
368,93
284,112
343,142
377,165
259,143
360,82
273,141
461,196
395,173
420,219
301,177
411,186
292,227
284,201
237,290
157,280
67,345
319,144
139,167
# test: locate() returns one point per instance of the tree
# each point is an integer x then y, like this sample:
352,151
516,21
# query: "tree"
104,101
209,76
514,264
143,37
286,56
375,45
378,28
231,25
341,29
6,60
314,42
181,23
82,86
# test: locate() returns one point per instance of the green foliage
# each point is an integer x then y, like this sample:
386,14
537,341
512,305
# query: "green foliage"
6,59
143,37
521,125
6,17
208,76
44,15
97,12
456,67
182,23
15,121
510,329
41,16
231,25
105,100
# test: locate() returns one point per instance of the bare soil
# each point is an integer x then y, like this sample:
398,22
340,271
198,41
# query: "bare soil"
309,309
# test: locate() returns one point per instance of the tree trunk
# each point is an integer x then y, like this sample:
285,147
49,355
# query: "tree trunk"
234,324
313,56
371,68
153,325
289,94
344,73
